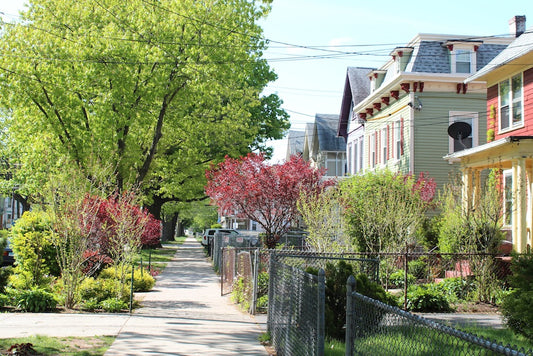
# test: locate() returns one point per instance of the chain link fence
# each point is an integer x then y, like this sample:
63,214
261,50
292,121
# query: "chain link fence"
375,328
296,310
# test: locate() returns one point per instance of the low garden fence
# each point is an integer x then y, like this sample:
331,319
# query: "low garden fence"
375,328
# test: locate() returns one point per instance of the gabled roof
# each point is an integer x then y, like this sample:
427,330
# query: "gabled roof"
521,46
295,143
356,88
326,131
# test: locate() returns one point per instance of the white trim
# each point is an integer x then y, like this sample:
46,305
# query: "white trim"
510,126
455,116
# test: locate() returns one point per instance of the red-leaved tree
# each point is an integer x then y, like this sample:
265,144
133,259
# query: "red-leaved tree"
251,188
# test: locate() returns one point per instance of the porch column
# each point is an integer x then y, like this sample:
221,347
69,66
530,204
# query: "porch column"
519,211
476,186
467,189
529,209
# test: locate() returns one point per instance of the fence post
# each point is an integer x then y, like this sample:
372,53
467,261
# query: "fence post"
221,270
255,276
349,340
321,311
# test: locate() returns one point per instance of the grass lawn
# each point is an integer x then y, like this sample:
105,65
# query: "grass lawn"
159,257
71,346
429,342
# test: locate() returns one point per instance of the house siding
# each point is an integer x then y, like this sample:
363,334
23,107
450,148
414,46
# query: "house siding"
431,131
527,130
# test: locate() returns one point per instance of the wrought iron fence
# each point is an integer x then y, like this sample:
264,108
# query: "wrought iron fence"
375,328
296,310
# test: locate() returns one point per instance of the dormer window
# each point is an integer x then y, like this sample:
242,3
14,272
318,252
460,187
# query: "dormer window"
401,56
463,58
376,79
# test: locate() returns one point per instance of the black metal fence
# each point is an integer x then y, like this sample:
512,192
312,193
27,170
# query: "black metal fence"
375,328
296,310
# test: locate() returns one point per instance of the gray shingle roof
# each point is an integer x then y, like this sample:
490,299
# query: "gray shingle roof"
519,47
326,130
295,142
356,89
433,57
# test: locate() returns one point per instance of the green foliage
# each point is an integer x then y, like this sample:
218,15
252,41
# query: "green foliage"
142,281
427,298
336,280
457,289
397,279
262,302
3,243
101,289
113,305
242,293
35,301
477,229
4,300
5,274
263,279
516,307
22,280
91,305
369,201
418,268
32,244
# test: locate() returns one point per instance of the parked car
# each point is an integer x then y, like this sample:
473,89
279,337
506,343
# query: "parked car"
8,258
208,234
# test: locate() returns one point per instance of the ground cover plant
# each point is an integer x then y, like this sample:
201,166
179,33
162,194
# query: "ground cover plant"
71,346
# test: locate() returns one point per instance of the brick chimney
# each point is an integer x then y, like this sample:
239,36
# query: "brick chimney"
517,25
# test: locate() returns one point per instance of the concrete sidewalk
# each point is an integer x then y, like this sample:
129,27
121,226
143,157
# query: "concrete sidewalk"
185,314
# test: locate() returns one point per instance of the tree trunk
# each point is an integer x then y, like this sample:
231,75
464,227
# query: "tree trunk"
169,227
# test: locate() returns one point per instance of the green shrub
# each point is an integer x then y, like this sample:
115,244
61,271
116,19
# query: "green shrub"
101,289
242,293
516,306
262,302
418,268
35,301
113,305
397,279
32,244
336,279
91,305
456,289
262,284
142,281
5,273
4,300
427,298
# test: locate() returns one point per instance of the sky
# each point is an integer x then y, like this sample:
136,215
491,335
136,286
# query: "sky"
312,42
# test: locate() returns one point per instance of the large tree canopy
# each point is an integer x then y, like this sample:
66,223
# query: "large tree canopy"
251,188
152,90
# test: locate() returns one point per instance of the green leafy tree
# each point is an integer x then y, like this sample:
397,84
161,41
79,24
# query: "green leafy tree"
321,214
384,209
156,89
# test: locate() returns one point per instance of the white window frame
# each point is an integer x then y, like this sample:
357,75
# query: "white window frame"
460,49
511,125
397,139
349,157
472,116
507,198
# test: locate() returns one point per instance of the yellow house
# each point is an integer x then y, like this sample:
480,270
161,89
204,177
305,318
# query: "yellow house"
509,78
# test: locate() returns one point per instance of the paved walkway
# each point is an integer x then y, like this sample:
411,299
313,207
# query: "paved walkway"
185,315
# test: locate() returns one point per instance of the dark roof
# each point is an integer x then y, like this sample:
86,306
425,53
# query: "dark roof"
295,142
519,47
326,130
356,88
433,56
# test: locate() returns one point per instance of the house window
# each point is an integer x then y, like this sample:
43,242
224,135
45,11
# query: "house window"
384,145
470,118
397,139
350,157
510,91
373,150
354,157
360,165
462,61
508,198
